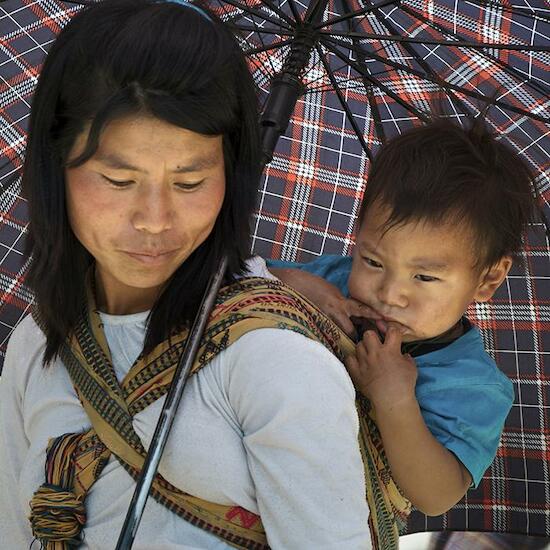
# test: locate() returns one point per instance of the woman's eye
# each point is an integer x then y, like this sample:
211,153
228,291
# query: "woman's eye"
118,183
426,278
371,262
188,186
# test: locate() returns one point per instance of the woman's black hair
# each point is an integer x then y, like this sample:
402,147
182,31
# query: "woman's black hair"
121,58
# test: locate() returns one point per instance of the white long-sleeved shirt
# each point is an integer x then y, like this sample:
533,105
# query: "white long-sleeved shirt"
269,425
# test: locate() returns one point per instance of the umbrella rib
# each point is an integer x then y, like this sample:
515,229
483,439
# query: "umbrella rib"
440,82
352,83
257,13
294,10
267,48
511,70
375,82
342,101
322,76
425,66
351,15
81,2
259,66
515,10
279,12
229,17
545,221
353,79
257,31
375,112
251,28
463,44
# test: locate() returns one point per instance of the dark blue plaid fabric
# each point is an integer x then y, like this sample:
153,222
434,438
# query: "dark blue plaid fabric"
309,196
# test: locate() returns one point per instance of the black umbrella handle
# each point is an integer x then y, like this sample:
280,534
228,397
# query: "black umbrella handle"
168,413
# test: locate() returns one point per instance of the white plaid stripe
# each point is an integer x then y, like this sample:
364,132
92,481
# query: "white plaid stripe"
304,235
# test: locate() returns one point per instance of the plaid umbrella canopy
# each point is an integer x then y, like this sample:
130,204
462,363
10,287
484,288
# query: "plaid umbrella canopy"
389,63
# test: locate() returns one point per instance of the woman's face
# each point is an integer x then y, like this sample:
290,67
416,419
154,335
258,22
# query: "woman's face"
146,199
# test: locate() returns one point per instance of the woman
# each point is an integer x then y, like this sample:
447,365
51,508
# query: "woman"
141,170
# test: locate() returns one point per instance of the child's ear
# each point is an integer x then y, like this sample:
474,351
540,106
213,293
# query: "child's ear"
492,278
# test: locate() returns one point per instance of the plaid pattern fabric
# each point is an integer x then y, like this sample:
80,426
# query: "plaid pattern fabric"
310,194
26,31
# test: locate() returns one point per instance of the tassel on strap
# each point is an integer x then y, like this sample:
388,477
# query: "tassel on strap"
57,515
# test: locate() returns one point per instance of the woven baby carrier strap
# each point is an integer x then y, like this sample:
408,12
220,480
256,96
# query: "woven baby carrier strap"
75,461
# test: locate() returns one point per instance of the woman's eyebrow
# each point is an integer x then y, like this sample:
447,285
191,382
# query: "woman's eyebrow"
118,163
198,164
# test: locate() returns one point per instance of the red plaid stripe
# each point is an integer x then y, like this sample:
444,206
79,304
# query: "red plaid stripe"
311,192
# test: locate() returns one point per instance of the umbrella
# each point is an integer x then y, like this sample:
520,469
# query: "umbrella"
385,63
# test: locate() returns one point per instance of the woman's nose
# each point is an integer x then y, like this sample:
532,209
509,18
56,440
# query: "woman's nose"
154,210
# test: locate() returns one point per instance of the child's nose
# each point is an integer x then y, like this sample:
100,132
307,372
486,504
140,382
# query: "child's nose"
392,293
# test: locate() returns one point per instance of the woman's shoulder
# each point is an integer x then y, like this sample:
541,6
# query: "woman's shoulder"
26,336
26,326
281,360
24,351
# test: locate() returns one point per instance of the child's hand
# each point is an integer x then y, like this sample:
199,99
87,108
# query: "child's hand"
380,372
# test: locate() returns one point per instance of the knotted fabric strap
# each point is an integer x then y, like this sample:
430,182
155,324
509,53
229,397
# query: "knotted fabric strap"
75,461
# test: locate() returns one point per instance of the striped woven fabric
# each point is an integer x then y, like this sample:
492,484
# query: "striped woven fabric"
310,193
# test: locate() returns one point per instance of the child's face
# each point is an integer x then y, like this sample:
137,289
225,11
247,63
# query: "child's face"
420,276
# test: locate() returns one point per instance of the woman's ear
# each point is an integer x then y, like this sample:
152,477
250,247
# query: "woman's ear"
492,278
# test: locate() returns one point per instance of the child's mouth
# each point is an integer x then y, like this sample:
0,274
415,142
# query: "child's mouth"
380,326
383,325
362,324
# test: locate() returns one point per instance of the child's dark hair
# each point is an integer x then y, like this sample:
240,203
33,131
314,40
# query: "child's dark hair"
124,58
443,173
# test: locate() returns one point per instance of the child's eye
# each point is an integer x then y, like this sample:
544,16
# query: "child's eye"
426,278
118,183
371,262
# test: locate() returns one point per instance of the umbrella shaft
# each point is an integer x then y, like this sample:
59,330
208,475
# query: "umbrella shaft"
287,86
285,91
168,413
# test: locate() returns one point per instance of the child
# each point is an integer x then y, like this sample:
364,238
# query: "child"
442,215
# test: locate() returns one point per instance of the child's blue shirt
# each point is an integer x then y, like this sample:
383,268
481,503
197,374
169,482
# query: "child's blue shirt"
463,396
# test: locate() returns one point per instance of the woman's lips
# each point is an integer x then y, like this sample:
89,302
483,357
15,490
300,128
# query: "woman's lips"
152,259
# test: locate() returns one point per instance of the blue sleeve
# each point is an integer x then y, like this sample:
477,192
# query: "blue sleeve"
468,420
333,268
